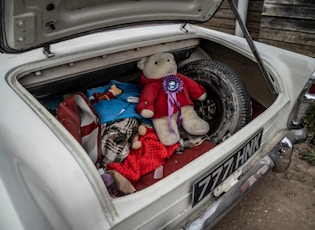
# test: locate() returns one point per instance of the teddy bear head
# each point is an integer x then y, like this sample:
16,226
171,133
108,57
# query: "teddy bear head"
158,66
115,90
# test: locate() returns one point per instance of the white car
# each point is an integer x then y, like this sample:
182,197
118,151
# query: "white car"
257,98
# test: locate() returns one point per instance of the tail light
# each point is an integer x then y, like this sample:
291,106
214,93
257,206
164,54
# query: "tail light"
312,89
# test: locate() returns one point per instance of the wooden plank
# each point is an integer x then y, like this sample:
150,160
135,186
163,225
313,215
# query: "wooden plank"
254,35
287,36
226,4
290,24
219,22
224,20
225,13
253,16
302,49
255,6
253,26
289,11
292,2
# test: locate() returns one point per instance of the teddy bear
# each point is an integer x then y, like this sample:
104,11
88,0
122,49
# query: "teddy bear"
167,98
141,130
112,93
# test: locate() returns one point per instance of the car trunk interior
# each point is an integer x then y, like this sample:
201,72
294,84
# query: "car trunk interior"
49,84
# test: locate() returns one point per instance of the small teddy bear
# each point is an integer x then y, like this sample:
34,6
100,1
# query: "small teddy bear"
112,93
140,131
167,98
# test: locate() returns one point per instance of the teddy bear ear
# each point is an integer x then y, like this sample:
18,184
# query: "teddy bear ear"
141,63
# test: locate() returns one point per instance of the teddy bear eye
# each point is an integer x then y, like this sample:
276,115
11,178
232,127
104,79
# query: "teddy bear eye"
168,60
155,62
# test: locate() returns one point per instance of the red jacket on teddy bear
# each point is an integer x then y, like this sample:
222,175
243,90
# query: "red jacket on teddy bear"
153,95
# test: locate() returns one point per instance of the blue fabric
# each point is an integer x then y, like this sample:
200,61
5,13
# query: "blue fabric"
121,107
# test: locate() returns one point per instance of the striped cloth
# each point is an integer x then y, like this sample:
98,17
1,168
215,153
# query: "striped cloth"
115,140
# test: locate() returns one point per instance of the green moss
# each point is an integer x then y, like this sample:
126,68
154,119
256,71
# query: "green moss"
309,121
309,157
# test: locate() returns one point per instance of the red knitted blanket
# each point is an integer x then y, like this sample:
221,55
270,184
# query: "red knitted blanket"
151,155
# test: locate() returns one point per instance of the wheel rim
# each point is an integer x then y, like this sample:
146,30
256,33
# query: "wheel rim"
211,109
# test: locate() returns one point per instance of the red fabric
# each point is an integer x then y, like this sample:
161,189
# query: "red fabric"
141,161
176,162
102,96
155,99
70,114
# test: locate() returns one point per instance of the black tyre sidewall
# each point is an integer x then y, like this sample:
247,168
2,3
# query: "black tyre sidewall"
225,90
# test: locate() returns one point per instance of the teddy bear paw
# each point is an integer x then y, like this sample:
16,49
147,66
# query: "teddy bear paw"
197,127
136,145
169,140
142,130
146,113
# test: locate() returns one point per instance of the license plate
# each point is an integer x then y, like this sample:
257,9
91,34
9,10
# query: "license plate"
209,182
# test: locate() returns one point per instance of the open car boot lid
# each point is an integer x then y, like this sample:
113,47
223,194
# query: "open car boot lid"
31,24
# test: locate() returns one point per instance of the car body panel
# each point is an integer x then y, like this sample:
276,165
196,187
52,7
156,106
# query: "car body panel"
30,24
51,172
39,168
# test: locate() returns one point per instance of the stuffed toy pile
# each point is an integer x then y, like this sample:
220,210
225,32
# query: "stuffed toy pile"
167,98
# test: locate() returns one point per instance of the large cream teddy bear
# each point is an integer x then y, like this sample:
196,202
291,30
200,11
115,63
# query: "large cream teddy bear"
167,98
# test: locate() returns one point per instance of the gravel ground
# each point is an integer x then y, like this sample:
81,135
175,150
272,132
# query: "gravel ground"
280,201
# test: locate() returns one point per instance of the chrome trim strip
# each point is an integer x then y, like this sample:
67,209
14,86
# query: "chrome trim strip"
309,97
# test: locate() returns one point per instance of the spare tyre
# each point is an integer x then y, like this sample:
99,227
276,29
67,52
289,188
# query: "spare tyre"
228,106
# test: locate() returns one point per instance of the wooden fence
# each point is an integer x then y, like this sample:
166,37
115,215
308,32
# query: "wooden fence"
288,24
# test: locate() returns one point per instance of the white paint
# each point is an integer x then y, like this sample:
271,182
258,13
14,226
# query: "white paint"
242,9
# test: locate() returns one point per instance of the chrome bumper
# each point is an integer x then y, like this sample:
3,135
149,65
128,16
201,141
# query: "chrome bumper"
277,160
282,152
